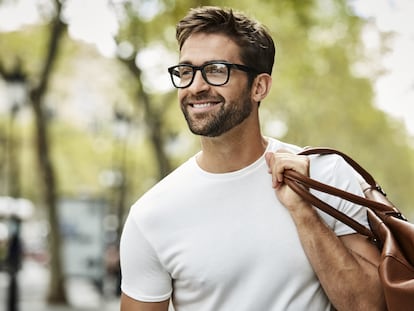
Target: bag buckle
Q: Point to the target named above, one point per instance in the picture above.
(378, 187)
(396, 214)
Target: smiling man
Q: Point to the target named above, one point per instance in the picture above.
(223, 231)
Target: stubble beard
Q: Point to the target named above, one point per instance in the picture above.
(230, 115)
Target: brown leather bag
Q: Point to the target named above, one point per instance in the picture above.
(389, 229)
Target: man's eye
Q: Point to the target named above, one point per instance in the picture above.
(185, 72)
(216, 69)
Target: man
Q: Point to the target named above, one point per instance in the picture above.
(220, 232)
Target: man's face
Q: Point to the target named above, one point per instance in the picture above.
(214, 110)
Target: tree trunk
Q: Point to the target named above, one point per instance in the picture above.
(57, 290)
(153, 120)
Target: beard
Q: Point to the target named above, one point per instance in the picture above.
(210, 124)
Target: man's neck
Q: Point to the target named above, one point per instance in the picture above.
(229, 152)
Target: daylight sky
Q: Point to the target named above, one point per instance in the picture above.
(94, 22)
(395, 90)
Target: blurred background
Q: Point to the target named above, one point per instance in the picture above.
(89, 121)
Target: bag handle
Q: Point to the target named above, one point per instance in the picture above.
(301, 185)
(358, 168)
(292, 180)
(367, 182)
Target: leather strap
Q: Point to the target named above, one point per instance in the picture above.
(312, 199)
(363, 172)
(301, 185)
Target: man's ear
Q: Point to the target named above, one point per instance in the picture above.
(261, 87)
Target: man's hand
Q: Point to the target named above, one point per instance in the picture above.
(280, 161)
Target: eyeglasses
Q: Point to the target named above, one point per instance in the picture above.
(214, 73)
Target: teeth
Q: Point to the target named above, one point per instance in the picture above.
(202, 105)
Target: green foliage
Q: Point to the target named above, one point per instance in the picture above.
(316, 93)
(26, 46)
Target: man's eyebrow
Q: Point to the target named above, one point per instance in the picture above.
(184, 62)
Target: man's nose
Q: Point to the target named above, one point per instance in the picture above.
(199, 84)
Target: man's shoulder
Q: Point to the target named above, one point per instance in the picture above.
(275, 145)
(168, 188)
(322, 166)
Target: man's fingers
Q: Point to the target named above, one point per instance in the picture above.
(282, 160)
(276, 166)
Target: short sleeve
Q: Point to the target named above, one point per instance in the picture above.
(143, 276)
(336, 172)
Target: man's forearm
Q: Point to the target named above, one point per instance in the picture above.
(350, 281)
(129, 304)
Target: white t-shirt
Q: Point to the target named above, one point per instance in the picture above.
(224, 241)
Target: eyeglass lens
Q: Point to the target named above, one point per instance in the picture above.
(215, 74)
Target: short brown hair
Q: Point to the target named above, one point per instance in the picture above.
(257, 49)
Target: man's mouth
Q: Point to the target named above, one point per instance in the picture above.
(203, 105)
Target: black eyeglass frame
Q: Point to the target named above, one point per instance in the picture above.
(173, 72)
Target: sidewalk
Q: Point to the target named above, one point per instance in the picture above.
(33, 282)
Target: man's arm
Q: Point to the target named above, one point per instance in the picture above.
(346, 266)
(129, 304)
